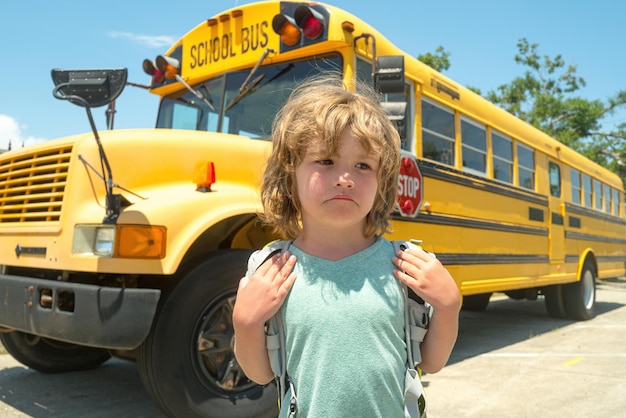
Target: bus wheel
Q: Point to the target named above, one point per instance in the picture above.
(51, 356)
(476, 303)
(580, 296)
(555, 303)
(187, 363)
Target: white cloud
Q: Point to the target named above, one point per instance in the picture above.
(11, 131)
(161, 41)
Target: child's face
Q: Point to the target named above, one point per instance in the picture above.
(337, 190)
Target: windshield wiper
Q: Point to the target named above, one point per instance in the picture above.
(196, 93)
(248, 85)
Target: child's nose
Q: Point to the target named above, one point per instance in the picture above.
(345, 180)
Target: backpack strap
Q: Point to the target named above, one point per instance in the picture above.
(416, 319)
(260, 256)
(416, 312)
(274, 330)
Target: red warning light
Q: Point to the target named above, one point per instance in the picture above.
(311, 22)
(150, 69)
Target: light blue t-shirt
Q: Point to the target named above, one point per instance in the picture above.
(344, 331)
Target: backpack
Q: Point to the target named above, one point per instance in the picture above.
(416, 317)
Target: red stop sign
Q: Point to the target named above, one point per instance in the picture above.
(410, 190)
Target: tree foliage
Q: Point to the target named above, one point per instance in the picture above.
(439, 60)
(546, 97)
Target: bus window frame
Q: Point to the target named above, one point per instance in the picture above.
(606, 193)
(556, 188)
(576, 188)
(522, 167)
(501, 159)
(438, 135)
(597, 194)
(472, 148)
(587, 191)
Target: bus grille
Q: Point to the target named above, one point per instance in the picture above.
(32, 186)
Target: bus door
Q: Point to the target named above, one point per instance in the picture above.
(557, 214)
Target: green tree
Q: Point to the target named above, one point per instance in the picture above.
(439, 60)
(544, 96)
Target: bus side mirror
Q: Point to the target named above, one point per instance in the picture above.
(389, 75)
(89, 88)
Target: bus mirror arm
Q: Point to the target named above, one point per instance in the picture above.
(94, 88)
(368, 37)
(387, 71)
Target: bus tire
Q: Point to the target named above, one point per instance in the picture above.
(555, 303)
(580, 296)
(187, 363)
(51, 356)
(476, 303)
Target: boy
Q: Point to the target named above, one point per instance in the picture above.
(329, 186)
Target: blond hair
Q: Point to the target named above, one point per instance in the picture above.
(320, 110)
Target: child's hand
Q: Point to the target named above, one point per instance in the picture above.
(428, 278)
(260, 296)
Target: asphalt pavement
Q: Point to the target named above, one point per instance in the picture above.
(511, 360)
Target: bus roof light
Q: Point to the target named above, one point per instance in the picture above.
(287, 29)
(150, 69)
(168, 65)
(311, 22)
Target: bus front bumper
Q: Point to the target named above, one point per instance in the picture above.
(95, 316)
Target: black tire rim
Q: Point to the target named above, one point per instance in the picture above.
(214, 354)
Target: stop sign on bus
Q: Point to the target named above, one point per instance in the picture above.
(410, 191)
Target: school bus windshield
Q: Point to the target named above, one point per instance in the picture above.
(235, 103)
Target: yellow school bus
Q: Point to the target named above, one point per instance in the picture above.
(131, 243)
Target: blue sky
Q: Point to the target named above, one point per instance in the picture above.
(481, 36)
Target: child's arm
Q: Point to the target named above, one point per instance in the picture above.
(259, 297)
(430, 280)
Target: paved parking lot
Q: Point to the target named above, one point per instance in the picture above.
(514, 361)
(510, 361)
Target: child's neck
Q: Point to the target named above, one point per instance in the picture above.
(330, 246)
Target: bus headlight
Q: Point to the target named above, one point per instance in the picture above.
(122, 241)
(104, 241)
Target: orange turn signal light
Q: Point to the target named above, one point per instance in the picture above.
(287, 29)
(141, 241)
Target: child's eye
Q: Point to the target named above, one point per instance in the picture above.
(362, 166)
(325, 162)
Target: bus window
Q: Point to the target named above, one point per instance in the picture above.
(587, 190)
(405, 127)
(597, 194)
(188, 112)
(364, 71)
(502, 157)
(186, 116)
(474, 147)
(607, 198)
(615, 202)
(250, 114)
(526, 167)
(576, 189)
(555, 180)
(437, 133)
